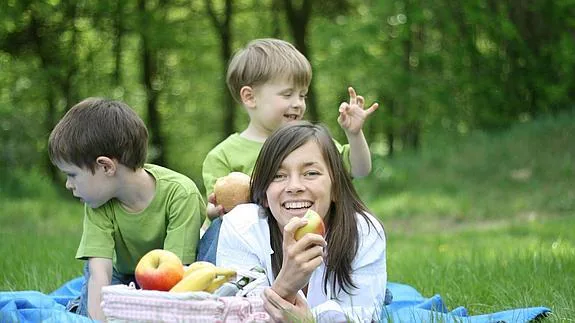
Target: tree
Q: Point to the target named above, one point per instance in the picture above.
(151, 75)
(223, 29)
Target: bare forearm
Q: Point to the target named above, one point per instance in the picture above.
(359, 155)
(100, 275)
(95, 285)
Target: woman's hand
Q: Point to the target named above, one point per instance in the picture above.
(300, 259)
(281, 310)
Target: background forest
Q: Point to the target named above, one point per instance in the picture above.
(447, 65)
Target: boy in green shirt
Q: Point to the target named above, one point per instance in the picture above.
(130, 207)
(270, 78)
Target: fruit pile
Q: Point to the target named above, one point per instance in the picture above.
(163, 270)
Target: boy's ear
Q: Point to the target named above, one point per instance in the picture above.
(247, 94)
(107, 164)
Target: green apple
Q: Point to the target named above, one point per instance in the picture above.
(159, 270)
(314, 225)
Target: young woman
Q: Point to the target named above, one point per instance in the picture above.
(299, 168)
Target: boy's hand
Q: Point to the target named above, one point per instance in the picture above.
(213, 210)
(352, 115)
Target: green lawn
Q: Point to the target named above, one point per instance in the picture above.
(39, 240)
(486, 221)
(490, 269)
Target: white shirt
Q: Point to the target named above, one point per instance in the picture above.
(244, 242)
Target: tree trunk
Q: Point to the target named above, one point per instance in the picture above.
(391, 129)
(46, 64)
(298, 19)
(119, 32)
(223, 28)
(410, 127)
(149, 57)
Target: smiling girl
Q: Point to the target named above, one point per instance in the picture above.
(299, 168)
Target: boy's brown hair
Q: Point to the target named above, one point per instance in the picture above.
(266, 59)
(99, 127)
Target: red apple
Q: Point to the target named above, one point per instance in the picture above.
(232, 189)
(314, 225)
(159, 270)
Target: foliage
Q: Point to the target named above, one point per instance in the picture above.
(524, 172)
(449, 65)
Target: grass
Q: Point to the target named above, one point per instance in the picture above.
(39, 240)
(510, 266)
(484, 220)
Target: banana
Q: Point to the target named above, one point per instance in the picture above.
(222, 275)
(216, 283)
(197, 280)
(220, 271)
(203, 276)
(197, 265)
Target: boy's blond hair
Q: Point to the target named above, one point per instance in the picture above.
(266, 59)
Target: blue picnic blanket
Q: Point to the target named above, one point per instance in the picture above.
(408, 306)
(34, 306)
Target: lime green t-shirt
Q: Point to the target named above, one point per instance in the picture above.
(172, 222)
(238, 154)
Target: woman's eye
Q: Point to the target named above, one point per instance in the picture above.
(278, 177)
(312, 173)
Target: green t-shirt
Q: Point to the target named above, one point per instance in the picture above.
(238, 154)
(172, 222)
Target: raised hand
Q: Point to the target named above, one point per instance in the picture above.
(352, 114)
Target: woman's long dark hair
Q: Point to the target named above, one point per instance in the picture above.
(341, 224)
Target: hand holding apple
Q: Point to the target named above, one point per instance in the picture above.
(300, 256)
(314, 225)
(159, 270)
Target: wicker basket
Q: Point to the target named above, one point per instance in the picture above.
(122, 303)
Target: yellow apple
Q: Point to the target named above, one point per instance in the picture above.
(159, 270)
(232, 189)
(314, 225)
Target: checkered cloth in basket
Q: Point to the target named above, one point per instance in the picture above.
(122, 303)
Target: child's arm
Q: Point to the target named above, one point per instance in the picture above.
(100, 276)
(351, 119)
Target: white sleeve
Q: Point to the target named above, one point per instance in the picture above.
(240, 242)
